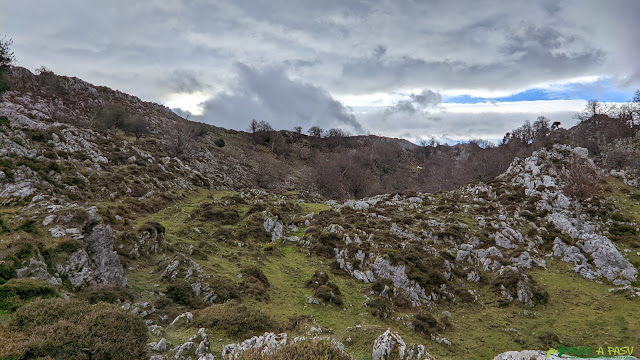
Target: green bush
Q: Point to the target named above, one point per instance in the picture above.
(28, 227)
(39, 135)
(325, 243)
(108, 294)
(255, 283)
(4, 121)
(181, 293)
(235, 320)
(255, 272)
(425, 324)
(210, 212)
(378, 285)
(323, 289)
(73, 329)
(219, 142)
(15, 292)
(380, 308)
(224, 289)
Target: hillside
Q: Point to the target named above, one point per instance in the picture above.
(337, 247)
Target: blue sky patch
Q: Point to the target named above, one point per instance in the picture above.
(602, 90)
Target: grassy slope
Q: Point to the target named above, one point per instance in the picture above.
(580, 312)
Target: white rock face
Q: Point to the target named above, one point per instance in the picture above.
(97, 263)
(609, 262)
(273, 226)
(397, 274)
(387, 344)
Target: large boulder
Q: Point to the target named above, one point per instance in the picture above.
(96, 263)
(387, 345)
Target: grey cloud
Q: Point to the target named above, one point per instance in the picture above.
(269, 94)
(425, 102)
(427, 98)
(451, 126)
(329, 47)
(184, 81)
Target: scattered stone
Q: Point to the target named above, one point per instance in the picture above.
(187, 317)
(160, 346)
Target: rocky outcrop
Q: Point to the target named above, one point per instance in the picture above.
(389, 345)
(273, 226)
(397, 274)
(149, 239)
(188, 269)
(185, 318)
(36, 268)
(96, 263)
(607, 260)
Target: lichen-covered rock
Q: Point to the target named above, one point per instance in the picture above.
(187, 317)
(387, 345)
(609, 262)
(264, 344)
(397, 274)
(96, 263)
(160, 346)
(36, 268)
(273, 226)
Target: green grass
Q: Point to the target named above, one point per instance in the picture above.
(580, 312)
(625, 199)
(308, 208)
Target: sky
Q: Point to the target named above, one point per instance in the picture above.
(453, 70)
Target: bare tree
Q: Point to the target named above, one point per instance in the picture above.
(297, 129)
(315, 131)
(337, 132)
(253, 126)
(582, 181)
(181, 143)
(264, 126)
(595, 107)
(7, 57)
(626, 114)
(524, 134)
(541, 127)
(138, 126)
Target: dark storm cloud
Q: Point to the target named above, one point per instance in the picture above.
(270, 94)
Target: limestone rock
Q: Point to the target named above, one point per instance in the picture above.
(160, 346)
(37, 269)
(264, 343)
(387, 344)
(187, 317)
(97, 263)
(397, 274)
